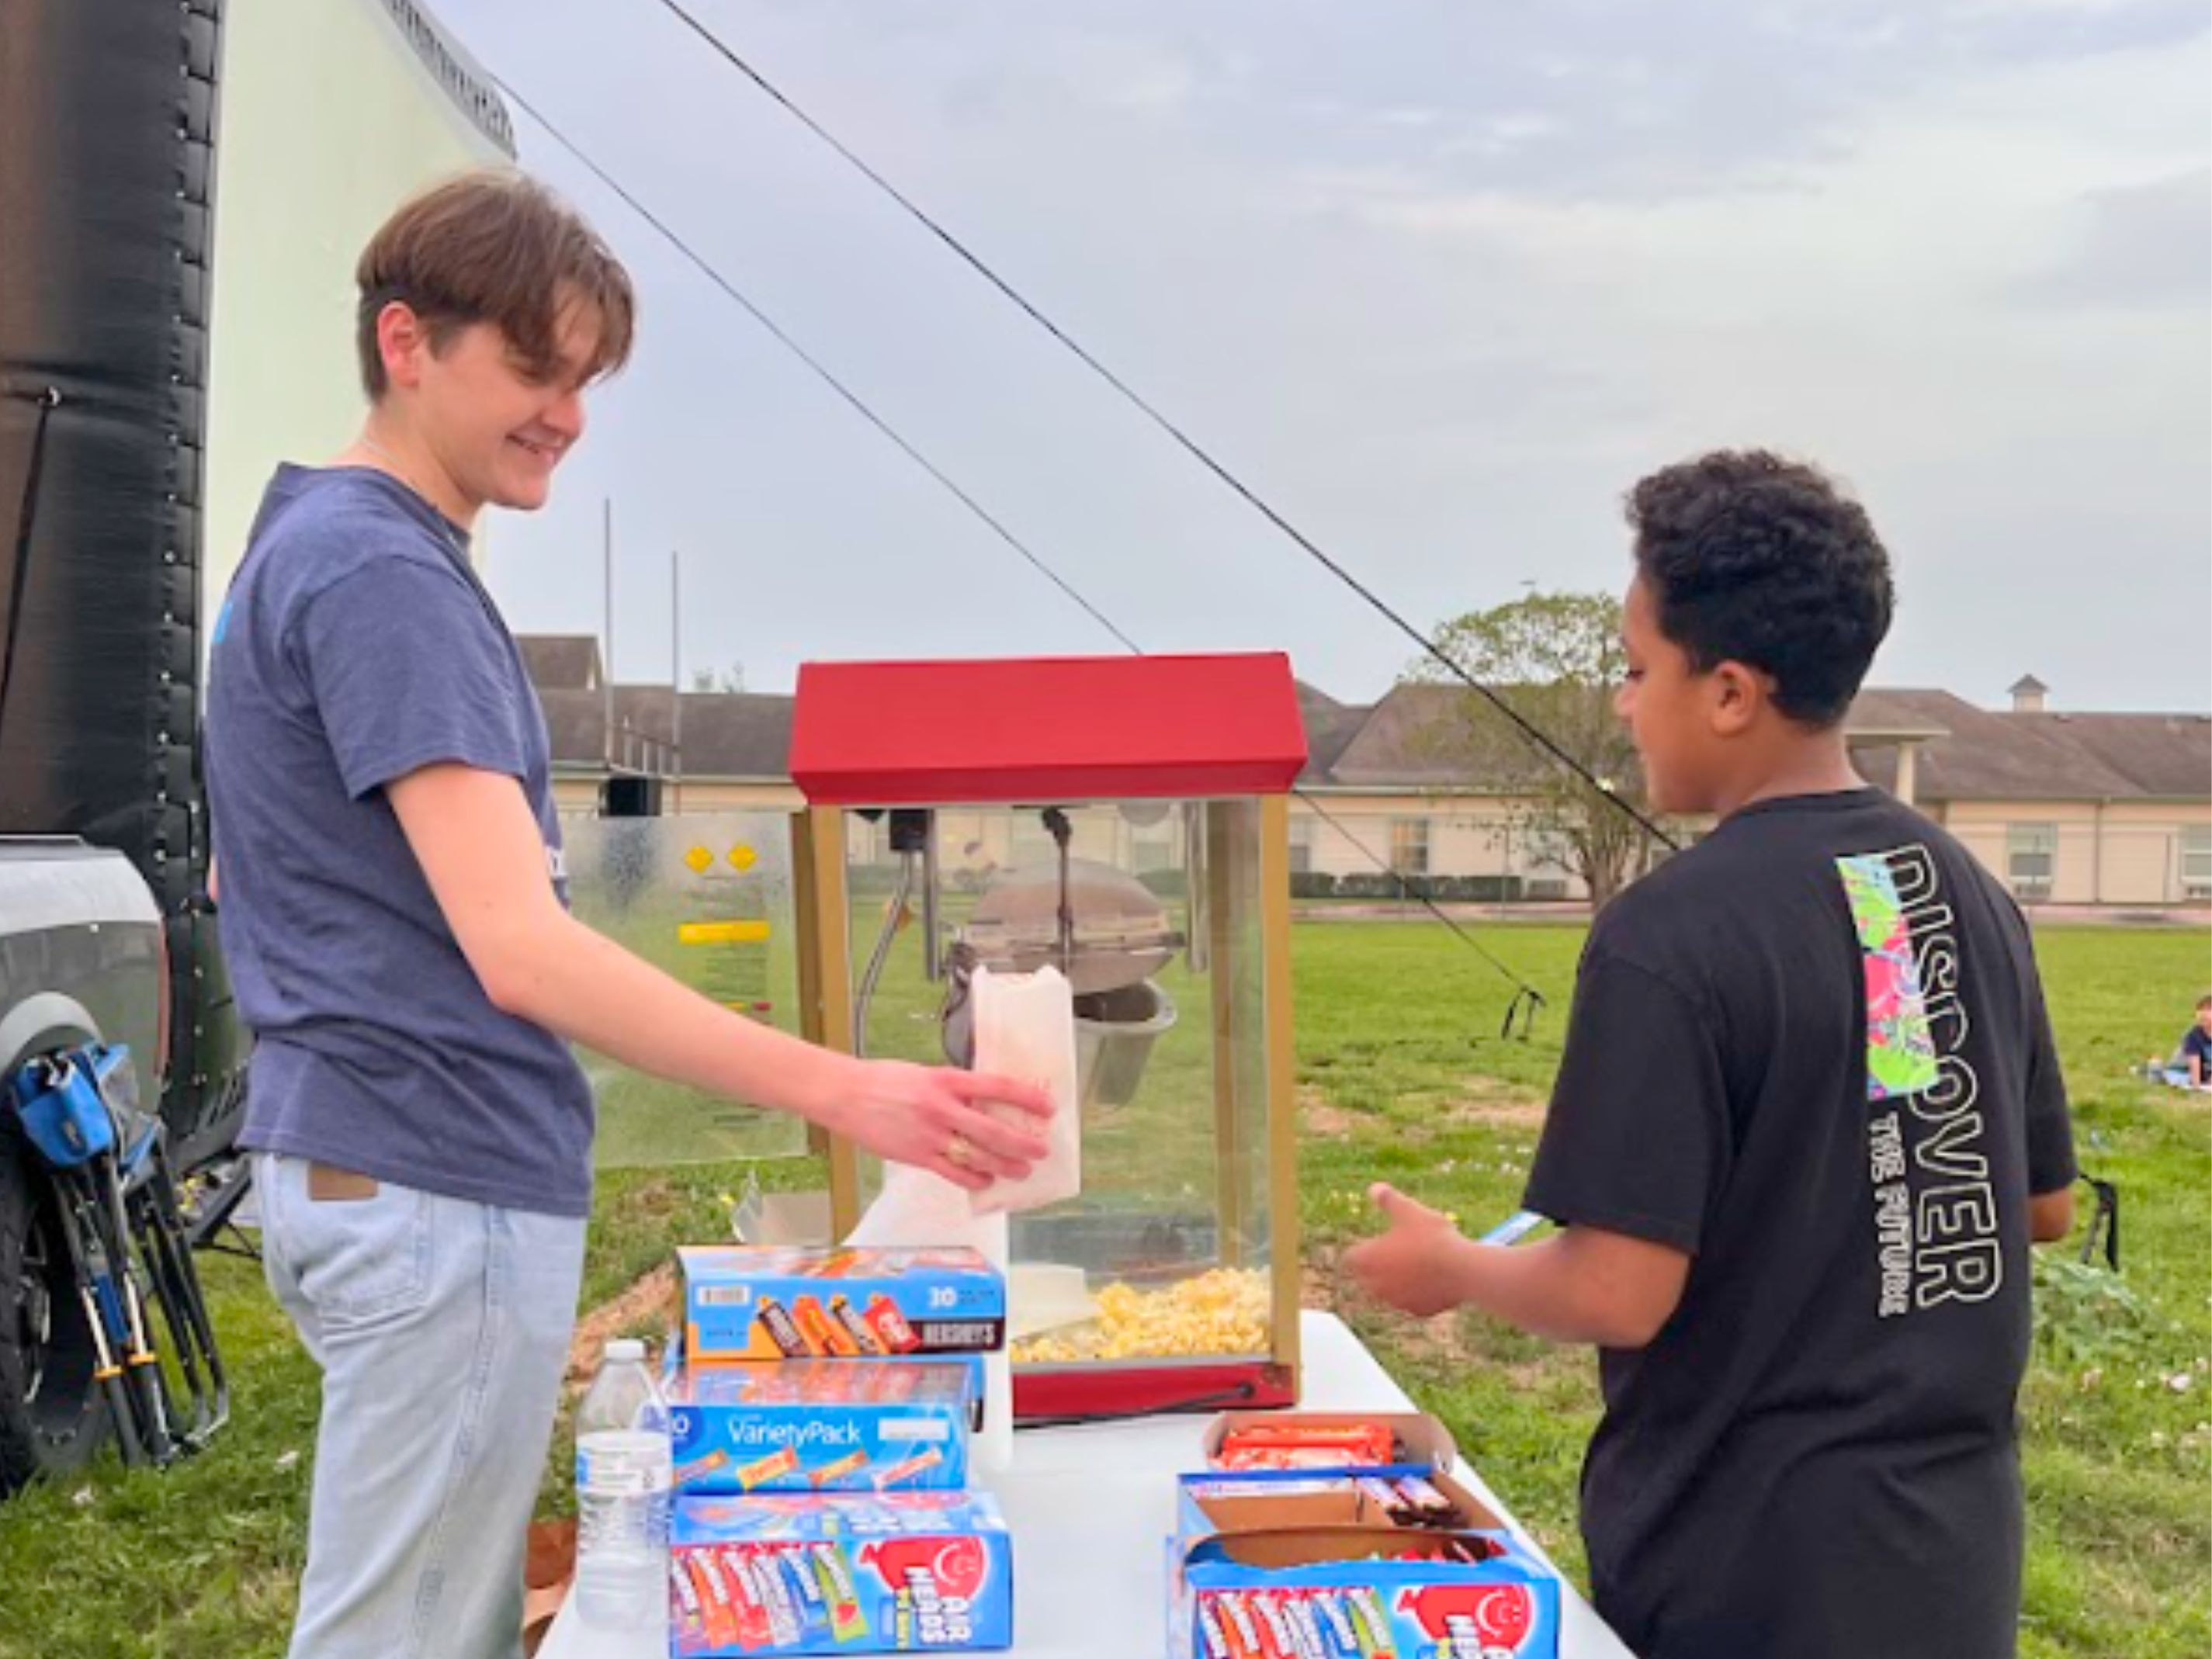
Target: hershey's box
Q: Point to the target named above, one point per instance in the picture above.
(750, 1303)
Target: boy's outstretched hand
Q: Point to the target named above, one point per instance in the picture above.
(1410, 1265)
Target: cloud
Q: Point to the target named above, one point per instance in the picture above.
(1438, 278)
(1593, 100)
(2148, 244)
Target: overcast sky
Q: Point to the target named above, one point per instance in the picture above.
(1438, 278)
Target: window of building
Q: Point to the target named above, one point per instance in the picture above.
(2196, 860)
(1302, 844)
(2030, 859)
(1409, 847)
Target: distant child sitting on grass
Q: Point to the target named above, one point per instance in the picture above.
(2192, 1066)
(1807, 1121)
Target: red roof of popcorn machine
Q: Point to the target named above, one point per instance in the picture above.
(1036, 731)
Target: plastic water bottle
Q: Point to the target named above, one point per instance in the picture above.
(624, 1473)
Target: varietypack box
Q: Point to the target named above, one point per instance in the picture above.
(1292, 1565)
(912, 1572)
(823, 1426)
(749, 1303)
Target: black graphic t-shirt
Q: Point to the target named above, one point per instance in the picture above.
(1812, 1051)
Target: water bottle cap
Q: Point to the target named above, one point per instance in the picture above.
(625, 1349)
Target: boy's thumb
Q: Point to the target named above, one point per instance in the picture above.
(1394, 1204)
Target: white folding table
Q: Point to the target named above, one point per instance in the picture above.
(1091, 1509)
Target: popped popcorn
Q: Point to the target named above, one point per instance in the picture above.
(1223, 1311)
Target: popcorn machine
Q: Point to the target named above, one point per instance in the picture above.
(1126, 821)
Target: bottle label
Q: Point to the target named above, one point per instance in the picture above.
(619, 1472)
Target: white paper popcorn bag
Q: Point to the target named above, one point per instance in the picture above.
(1025, 1029)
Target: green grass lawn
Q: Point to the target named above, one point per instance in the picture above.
(1403, 1074)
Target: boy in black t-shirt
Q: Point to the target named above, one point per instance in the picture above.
(1808, 1122)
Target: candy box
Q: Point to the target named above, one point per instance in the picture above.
(749, 1303)
(1404, 1497)
(823, 1425)
(1318, 1594)
(912, 1572)
(1399, 1563)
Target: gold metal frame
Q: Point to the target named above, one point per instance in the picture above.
(825, 980)
(1282, 1073)
(826, 991)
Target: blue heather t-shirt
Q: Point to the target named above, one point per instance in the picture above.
(356, 646)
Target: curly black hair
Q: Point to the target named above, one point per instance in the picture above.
(1755, 559)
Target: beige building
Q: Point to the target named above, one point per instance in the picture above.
(2066, 808)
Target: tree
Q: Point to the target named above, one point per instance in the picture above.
(732, 678)
(1556, 659)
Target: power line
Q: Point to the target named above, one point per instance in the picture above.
(851, 399)
(1526, 994)
(1190, 446)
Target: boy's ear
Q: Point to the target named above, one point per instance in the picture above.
(1739, 695)
(403, 339)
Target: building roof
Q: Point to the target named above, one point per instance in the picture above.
(1329, 726)
(724, 735)
(1897, 712)
(1414, 736)
(1405, 741)
(561, 662)
(1986, 755)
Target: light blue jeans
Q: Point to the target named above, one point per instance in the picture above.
(443, 1330)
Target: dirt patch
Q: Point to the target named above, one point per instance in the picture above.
(1496, 1105)
(1319, 1117)
(651, 1200)
(1435, 1339)
(653, 1297)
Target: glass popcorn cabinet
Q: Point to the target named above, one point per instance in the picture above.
(1126, 821)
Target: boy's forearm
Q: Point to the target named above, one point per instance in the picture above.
(2049, 1215)
(1548, 1289)
(586, 988)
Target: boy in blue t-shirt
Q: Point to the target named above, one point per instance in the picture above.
(394, 914)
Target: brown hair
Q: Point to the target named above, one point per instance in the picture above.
(493, 246)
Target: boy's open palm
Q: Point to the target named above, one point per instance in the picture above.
(1407, 1267)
